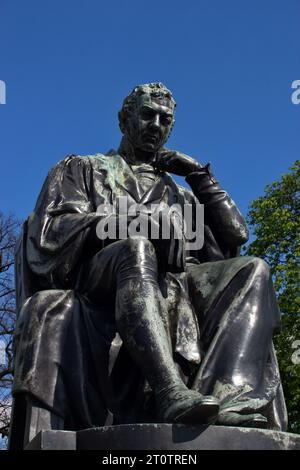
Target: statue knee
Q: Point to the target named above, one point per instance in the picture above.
(138, 258)
(139, 245)
(260, 266)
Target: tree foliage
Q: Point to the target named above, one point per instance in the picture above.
(8, 233)
(275, 222)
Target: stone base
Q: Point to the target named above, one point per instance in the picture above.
(165, 437)
(53, 440)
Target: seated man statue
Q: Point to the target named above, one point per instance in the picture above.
(140, 328)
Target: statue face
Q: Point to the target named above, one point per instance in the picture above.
(149, 125)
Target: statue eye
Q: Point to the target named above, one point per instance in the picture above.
(147, 114)
(166, 120)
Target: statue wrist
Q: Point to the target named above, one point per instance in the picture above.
(201, 178)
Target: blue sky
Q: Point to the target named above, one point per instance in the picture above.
(68, 64)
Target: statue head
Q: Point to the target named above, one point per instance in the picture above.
(147, 116)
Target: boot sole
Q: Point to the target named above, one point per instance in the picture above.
(201, 413)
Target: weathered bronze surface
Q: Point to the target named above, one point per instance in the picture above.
(140, 330)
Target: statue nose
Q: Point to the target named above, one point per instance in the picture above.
(155, 124)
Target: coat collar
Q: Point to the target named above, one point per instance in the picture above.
(122, 179)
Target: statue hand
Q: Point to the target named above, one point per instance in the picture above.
(176, 162)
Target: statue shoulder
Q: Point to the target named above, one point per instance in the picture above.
(83, 160)
(76, 162)
(79, 169)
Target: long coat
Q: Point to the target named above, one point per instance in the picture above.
(68, 353)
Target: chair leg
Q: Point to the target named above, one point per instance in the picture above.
(38, 418)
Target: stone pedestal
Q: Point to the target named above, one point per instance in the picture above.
(165, 437)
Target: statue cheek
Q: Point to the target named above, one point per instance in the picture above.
(165, 135)
(134, 129)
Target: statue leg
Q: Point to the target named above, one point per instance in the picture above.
(126, 271)
(238, 313)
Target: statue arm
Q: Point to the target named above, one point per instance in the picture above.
(221, 213)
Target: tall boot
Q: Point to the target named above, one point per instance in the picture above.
(142, 324)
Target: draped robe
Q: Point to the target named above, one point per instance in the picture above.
(222, 307)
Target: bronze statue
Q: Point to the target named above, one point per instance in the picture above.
(139, 329)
